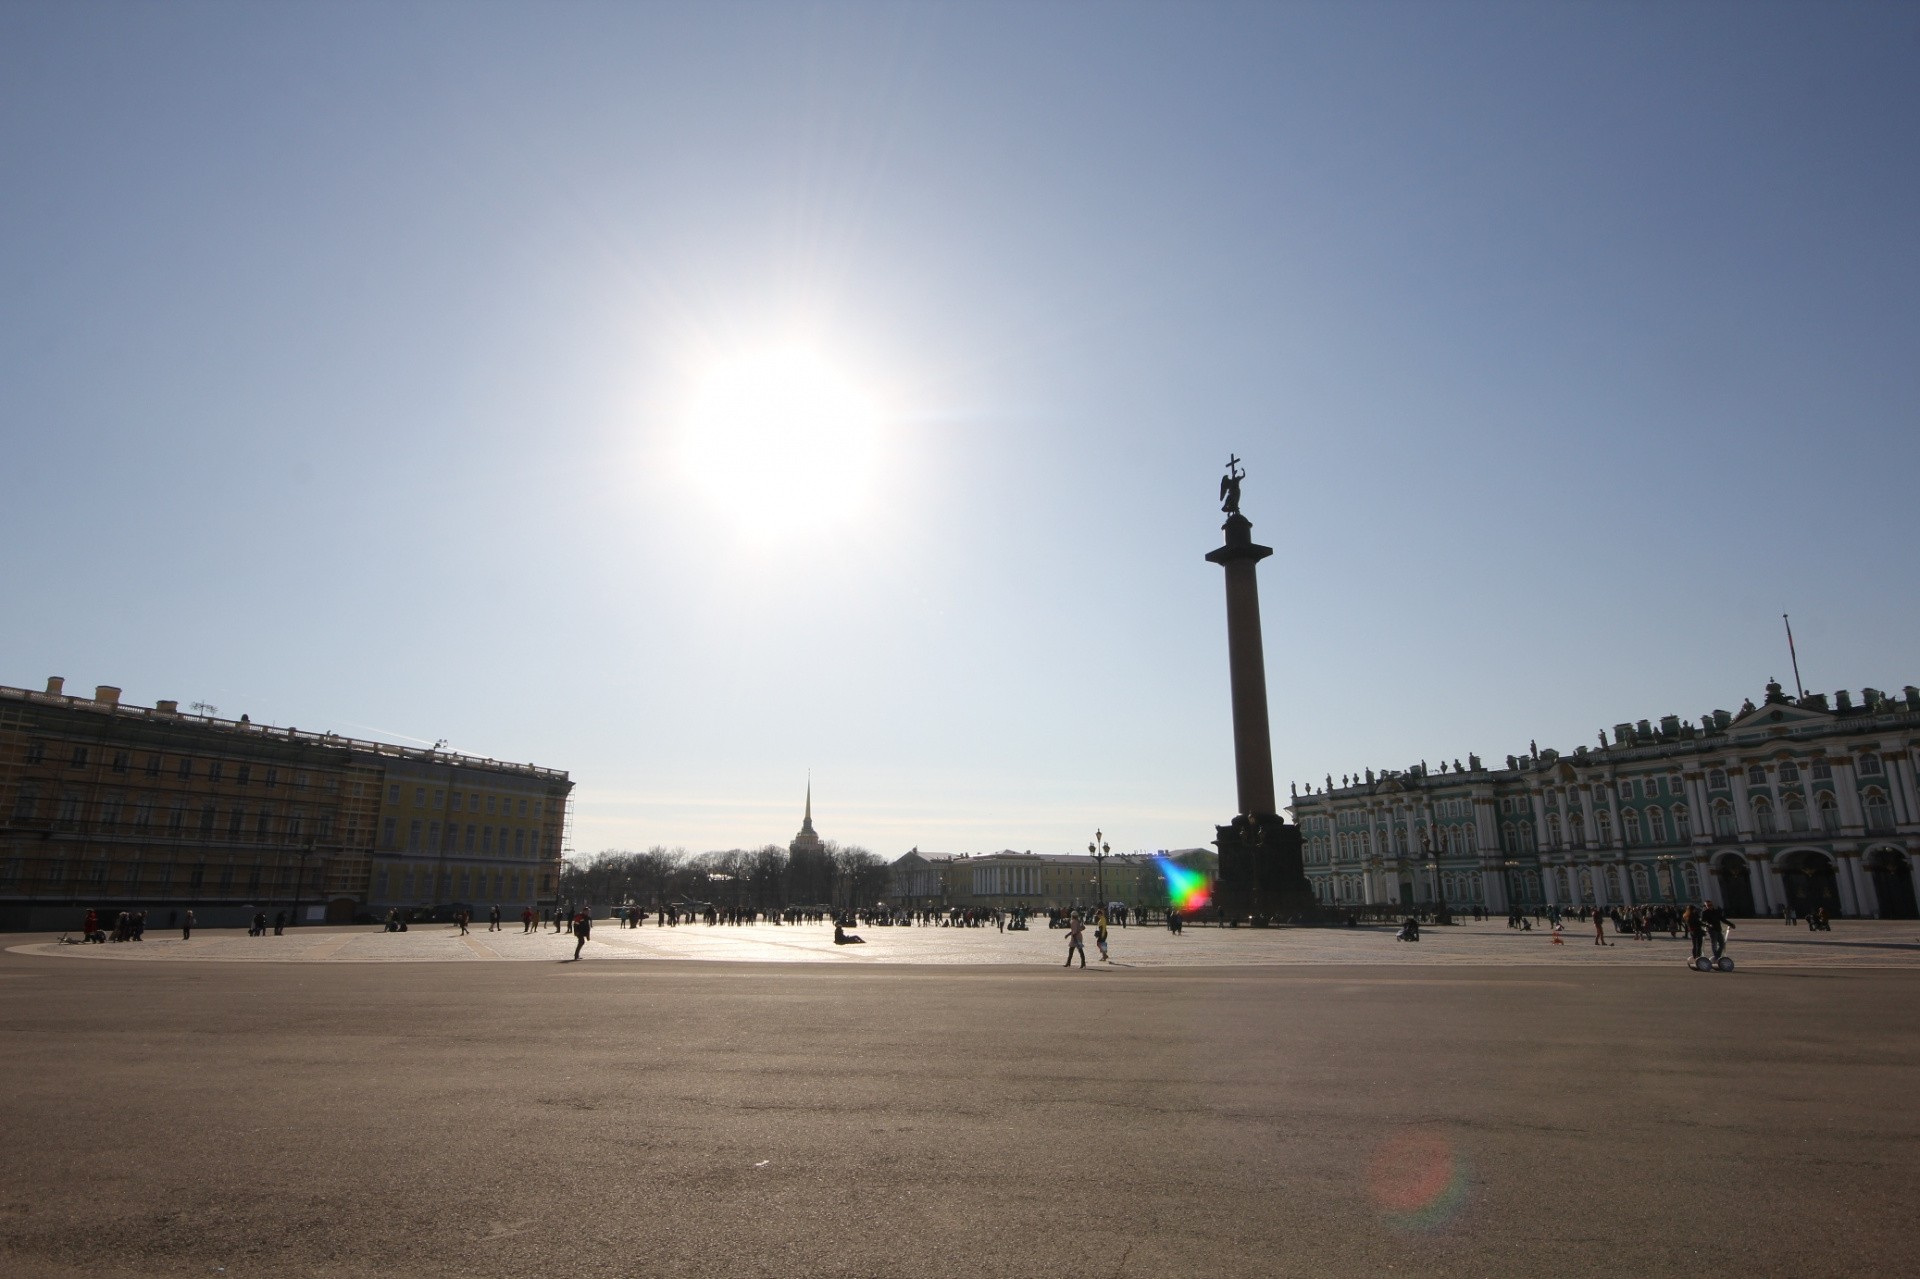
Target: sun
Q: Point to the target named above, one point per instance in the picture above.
(784, 438)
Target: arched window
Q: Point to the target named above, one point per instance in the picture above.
(1656, 826)
(1471, 841)
(1553, 829)
(1642, 891)
(1870, 765)
(1796, 813)
(1829, 813)
(1605, 820)
(1756, 776)
(1586, 887)
(1722, 819)
(1716, 780)
(1691, 880)
(1682, 823)
(1879, 811)
(1576, 829)
(1789, 771)
(1763, 816)
(1636, 833)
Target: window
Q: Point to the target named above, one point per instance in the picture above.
(243, 774)
(121, 759)
(294, 825)
(24, 803)
(1796, 813)
(213, 770)
(419, 797)
(433, 834)
(523, 808)
(1829, 814)
(1682, 824)
(1879, 811)
(273, 778)
(207, 819)
(78, 759)
(1675, 786)
(1870, 765)
(1822, 770)
(226, 878)
(262, 824)
(299, 781)
(413, 833)
(453, 802)
(1756, 776)
(439, 798)
(185, 770)
(1722, 819)
(197, 876)
(1789, 771)
(393, 793)
(389, 832)
(36, 752)
(324, 827)
(1626, 790)
(536, 808)
(1716, 780)
(143, 813)
(236, 821)
(519, 842)
(472, 834)
(491, 800)
(486, 839)
(110, 811)
(1763, 817)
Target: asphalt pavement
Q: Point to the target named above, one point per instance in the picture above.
(678, 1117)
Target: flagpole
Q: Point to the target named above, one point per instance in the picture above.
(1795, 657)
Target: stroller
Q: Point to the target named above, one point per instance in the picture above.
(1409, 930)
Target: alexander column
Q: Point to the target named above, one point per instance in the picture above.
(1262, 876)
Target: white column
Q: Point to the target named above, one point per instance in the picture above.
(1849, 903)
(1626, 884)
(1900, 772)
(1742, 806)
(1550, 874)
(1590, 820)
(1487, 823)
(1703, 876)
(1863, 894)
(1847, 791)
(1776, 887)
(1539, 820)
(1613, 813)
(1492, 892)
(1757, 879)
(1699, 808)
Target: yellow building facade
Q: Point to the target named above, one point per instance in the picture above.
(115, 807)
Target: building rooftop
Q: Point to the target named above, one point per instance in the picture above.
(106, 701)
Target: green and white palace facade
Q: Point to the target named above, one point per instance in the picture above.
(1794, 803)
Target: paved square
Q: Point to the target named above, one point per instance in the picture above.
(1467, 1110)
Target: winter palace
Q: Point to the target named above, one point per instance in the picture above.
(1794, 803)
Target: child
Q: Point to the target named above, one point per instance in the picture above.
(1557, 940)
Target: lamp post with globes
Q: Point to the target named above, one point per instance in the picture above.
(1100, 850)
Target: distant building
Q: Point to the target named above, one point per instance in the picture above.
(1038, 881)
(121, 807)
(1792, 802)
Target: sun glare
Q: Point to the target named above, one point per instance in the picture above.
(783, 439)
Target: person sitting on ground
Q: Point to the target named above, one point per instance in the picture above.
(841, 937)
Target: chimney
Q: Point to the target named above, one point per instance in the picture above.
(55, 685)
(166, 708)
(106, 695)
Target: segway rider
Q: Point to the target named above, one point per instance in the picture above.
(1718, 926)
(1696, 931)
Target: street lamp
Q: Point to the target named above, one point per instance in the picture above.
(300, 879)
(1100, 851)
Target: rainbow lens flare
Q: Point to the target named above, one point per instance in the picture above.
(1187, 890)
(1418, 1182)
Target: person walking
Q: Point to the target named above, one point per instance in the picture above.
(1100, 937)
(186, 927)
(1075, 942)
(1600, 929)
(493, 919)
(1696, 931)
(582, 929)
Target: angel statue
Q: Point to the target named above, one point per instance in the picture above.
(1230, 486)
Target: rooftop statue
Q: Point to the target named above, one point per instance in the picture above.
(1230, 486)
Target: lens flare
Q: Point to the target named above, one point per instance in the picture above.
(1417, 1181)
(1187, 890)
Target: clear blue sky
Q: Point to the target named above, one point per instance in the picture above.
(353, 360)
